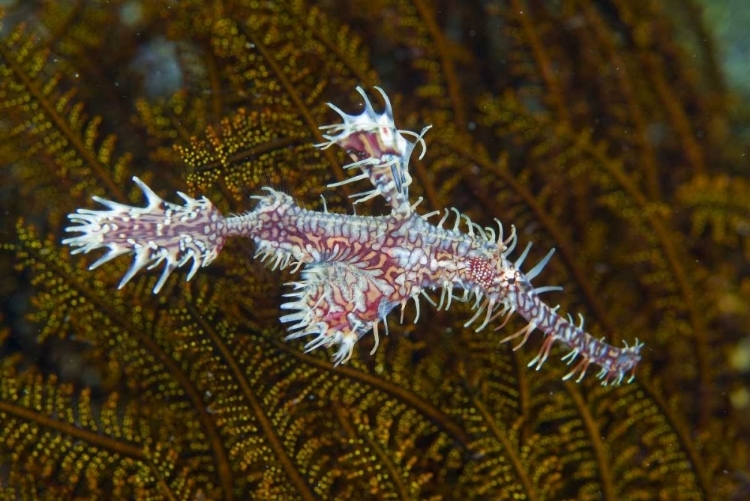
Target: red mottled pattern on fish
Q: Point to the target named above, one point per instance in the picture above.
(356, 269)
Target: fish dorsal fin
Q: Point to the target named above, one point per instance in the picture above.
(378, 149)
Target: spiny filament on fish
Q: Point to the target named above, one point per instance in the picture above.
(355, 269)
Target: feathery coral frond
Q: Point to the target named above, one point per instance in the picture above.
(585, 124)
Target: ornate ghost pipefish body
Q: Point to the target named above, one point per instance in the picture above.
(355, 269)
